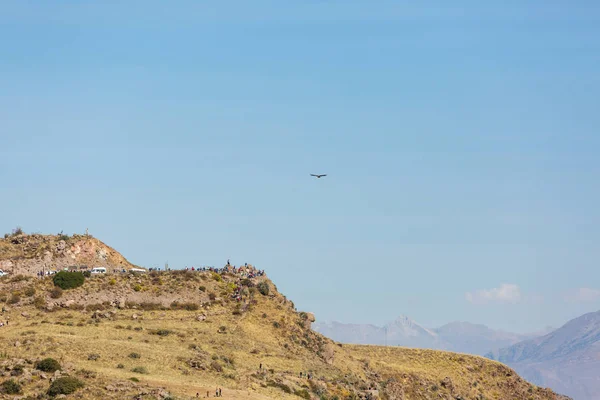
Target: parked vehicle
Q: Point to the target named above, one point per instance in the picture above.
(98, 270)
(2, 273)
(138, 270)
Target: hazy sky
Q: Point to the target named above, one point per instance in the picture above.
(461, 140)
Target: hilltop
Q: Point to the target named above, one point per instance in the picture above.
(173, 334)
(28, 254)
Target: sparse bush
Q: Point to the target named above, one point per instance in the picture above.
(276, 324)
(66, 385)
(263, 288)
(212, 296)
(93, 357)
(264, 315)
(247, 282)
(68, 280)
(202, 288)
(87, 274)
(56, 292)
(216, 366)
(30, 291)
(134, 355)
(14, 299)
(161, 332)
(17, 231)
(302, 393)
(64, 237)
(48, 365)
(39, 302)
(217, 277)
(137, 287)
(222, 329)
(134, 379)
(184, 306)
(11, 387)
(281, 386)
(112, 282)
(140, 370)
(17, 371)
(86, 373)
(120, 366)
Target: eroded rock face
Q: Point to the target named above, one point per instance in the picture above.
(31, 254)
(329, 353)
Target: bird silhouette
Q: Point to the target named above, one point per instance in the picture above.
(318, 176)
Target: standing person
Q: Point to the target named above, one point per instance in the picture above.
(220, 393)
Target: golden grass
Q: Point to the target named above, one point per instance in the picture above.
(250, 339)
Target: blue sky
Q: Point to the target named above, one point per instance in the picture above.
(461, 143)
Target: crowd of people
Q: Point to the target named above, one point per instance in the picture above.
(244, 271)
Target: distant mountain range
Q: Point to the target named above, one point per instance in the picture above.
(566, 360)
(462, 337)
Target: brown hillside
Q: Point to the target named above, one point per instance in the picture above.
(103, 330)
(29, 254)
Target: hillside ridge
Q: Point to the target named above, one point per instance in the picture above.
(182, 334)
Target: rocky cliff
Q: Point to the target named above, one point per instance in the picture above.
(28, 254)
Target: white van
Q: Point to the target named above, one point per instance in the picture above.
(138, 270)
(98, 270)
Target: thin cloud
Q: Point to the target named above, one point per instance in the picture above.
(507, 293)
(583, 295)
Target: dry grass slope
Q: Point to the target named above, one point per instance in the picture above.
(180, 333)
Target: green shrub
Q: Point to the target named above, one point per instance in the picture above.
(14, 299)
(93, 357)
(66, 385)
(217, 277)
(87, 274)
(137, 287)
(48, 365)
(68, 280)
(30, 291)
(202, 288)
(120, 366)
(140, 370)
(212, 296)
(11, 387)
(134, 379)
(281, 386)
(134, 355)
(263, 288)
(302, 393)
